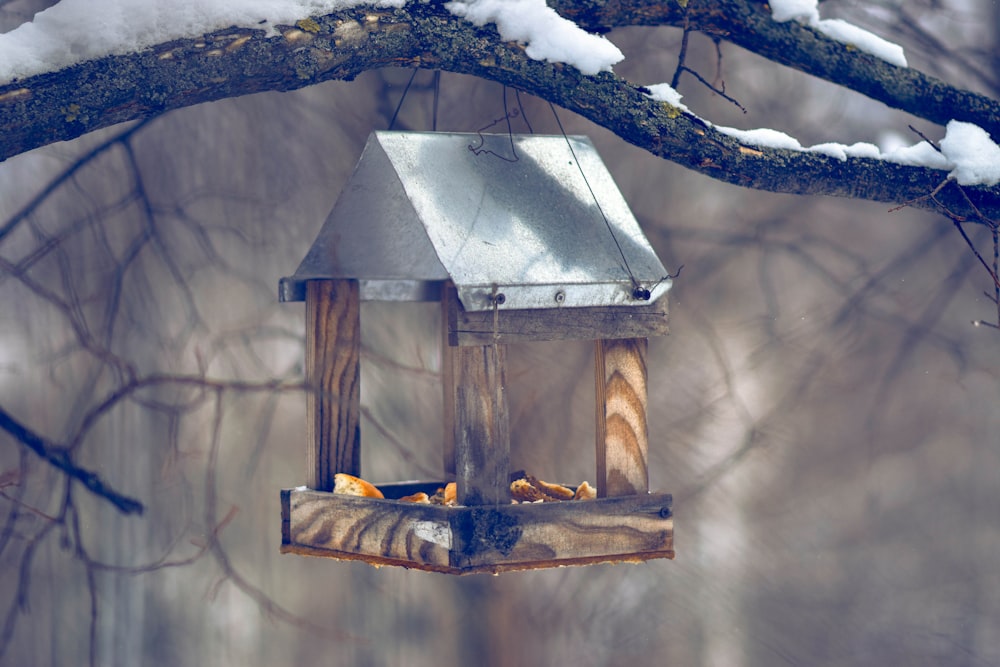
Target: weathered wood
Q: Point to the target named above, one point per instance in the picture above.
(476, 328)
(333, 347)
(622, 434)
(462, 540)
(409, 532)
(547, 533)
(448, 295)
(482, 425)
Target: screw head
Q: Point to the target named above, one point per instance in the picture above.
(560, 296)
(641, 294)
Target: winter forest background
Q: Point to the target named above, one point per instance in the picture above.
(824, 412)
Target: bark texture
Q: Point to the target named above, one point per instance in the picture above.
(65, 104)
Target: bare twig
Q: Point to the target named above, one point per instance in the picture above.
(229, 572)
(720, 91)
(682, 67)
(681, 59)
(925, 138)
(60, 458)
(975, 251)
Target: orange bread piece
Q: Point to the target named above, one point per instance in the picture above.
(349, 485)
(585, 492)
(522, 491)
(557, 491)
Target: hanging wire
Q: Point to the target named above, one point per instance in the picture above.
(524, 116)
(639, 292)
(399, 106)
(437, 94)
(507, 115)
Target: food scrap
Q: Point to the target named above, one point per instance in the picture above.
(524, 488)
(529, 489)
(349, 485)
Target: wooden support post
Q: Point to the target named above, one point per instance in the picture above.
(622, 435)
(333, 346)
(448, 296)
(481, 425)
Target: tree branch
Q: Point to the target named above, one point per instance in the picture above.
(59, 457)
(748, 24)
(341, 45)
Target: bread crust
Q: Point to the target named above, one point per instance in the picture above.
(349, 485)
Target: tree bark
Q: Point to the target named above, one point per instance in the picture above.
(238, 61)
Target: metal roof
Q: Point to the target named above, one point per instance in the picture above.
(492, 213)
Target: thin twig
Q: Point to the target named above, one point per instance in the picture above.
(60, 458)
(720, 91)
(681, 58)
(957, 220)
(924, 137)
(972, 247)
(66, 175)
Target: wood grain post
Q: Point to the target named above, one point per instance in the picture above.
(448, 296)
(333, 346)
(482, 426)
(622, 434)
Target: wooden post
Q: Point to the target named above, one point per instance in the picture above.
(481, 427)
(333, 346)
(448, 296)
(622, 435)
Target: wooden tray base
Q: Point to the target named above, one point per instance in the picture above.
(478, 539)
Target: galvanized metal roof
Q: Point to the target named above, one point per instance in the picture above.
(495, 214)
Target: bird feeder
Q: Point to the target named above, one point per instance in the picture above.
(520, 239)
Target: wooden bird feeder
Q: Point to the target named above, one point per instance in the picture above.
(522, 238)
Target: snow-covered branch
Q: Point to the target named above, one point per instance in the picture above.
(80, 98)
(750, 25)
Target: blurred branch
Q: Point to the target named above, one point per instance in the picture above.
(66, 176)
(59, 457)
(66, 104)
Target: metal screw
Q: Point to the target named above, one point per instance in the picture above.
(640, 294)
(560, 296)
(500, 299)
(665, 513)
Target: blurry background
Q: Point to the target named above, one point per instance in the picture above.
(823, 412)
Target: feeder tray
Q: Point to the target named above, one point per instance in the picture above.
(519, 238)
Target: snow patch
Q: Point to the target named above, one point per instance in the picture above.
(862, 149)
(918, 155)
(804, 11)
(975, 156)
(807, 13)
(662, 92)
(545, 34)
(762, 138)
(967, 151)
(74, 31)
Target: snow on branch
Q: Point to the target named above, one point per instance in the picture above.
(75, 31)
(807, 13)
(340, 44)
(966, 151)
